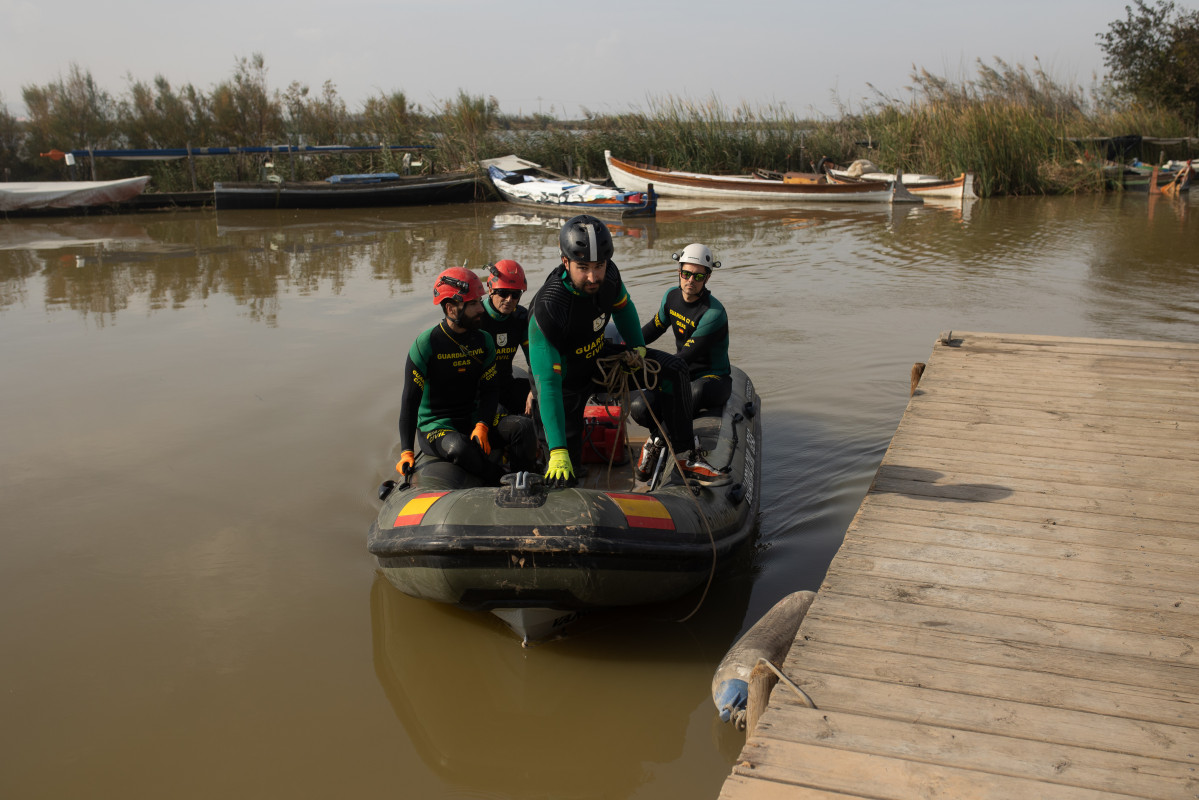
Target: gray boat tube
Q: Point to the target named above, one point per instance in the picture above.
(768, 639)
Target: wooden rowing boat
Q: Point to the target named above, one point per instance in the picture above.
(385, 189)
(676, 183)
(959, 188)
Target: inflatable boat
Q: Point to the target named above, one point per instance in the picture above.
(537, 557)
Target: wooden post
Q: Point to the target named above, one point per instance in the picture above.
(917, 372)
(761, 681)
(191, 165)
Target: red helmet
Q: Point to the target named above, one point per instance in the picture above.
(506, 274)
(457, 283)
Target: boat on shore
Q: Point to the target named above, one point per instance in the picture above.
(920, 185)
(349, 191)
(537, 558)
(67, 196)
(546, 190)
(809, 189)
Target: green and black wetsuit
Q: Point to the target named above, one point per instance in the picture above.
(510, 332)
(449, 386)
(566, 336)
(701, 336)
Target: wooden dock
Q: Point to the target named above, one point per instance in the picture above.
(1014, 612)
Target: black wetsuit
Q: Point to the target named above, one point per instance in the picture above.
(566, 335)
(701, 334)
(511, 333)
(449, 386)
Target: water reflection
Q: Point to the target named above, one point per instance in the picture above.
(492, 718)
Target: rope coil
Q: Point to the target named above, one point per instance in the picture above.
(616, 372)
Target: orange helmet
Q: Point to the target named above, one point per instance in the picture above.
(506, 274)
(457, 283)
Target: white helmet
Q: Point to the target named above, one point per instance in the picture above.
(698, 254)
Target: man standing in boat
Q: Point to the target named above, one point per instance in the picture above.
(450, 395)
(508, 323)
(566, 337)
(701, 336)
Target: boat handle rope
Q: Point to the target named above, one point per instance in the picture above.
(616, 371)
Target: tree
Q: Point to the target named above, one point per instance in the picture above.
(244, 110)
(1153, 56)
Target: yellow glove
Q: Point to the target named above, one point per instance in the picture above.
(479, 436)
(634, 359)
(406, 463)
(560, 471)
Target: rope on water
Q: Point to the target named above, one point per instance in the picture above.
(616, 371)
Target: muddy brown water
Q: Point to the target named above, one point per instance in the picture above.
(197, 409)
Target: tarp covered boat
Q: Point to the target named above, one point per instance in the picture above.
(48, 195)
(581, 196)
(537, 557)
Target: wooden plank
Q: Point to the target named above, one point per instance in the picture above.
(1115, 573)
(1054, 402)
(972, 712)
(994, 494)
(893, 644)
(995, 438)
(1041, 483)
(1161, 429)
(1059, 765)
(1168, 621)
(965, 530)
(1002, 627)
(1065, 342)
(867, 775)
(1147, 600)
(1073, 518)
(738, 787)
(1069, 692)
(947, 455)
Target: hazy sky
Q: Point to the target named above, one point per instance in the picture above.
(605, 56)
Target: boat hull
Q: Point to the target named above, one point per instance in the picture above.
(423, 190)
(50, 196)
(575, 549)
(611, 209)
(674, 183)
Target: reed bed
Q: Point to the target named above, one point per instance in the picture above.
(1007, 124)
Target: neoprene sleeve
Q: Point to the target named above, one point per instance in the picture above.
(549, 385)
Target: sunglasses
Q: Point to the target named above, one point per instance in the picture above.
(698, 277)
(506, 294)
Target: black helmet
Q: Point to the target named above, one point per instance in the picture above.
(585, 238)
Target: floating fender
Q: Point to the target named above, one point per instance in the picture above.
(769, 638)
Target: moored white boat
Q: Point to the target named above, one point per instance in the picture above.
(50, 195)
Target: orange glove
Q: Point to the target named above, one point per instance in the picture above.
(479, 435)
(406, 463)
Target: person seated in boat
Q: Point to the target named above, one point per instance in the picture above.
(701, 335)
(566, 340)
(450, 398)
(700, 325)
(508, 323)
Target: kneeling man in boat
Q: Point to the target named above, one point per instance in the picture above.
(701, 336)
(450, 395)
(508, 323)
(566, 339)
